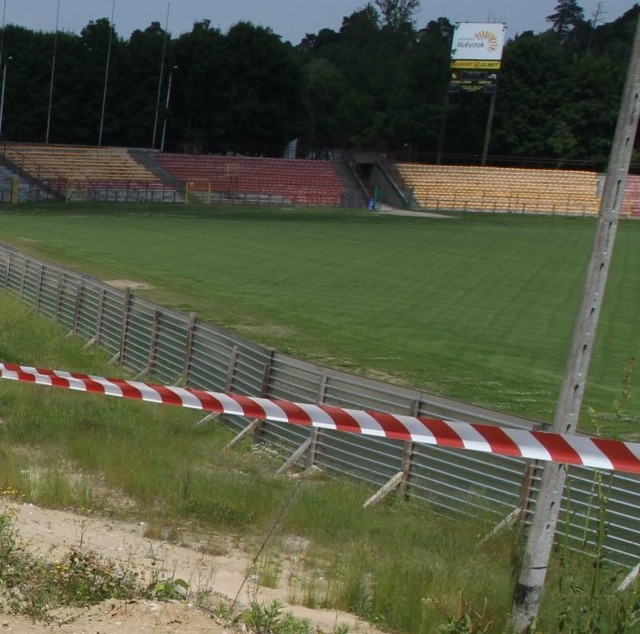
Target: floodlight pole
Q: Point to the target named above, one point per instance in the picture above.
(166, 109)
(4, 83)
(162, 58)
(106, 74)
(4, 12)
(53, 71)
(528, 592)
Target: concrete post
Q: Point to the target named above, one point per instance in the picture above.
(535, 562)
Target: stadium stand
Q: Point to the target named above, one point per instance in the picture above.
(631, 201)
(501, 189)
(255, 179)
(77, 170)
(54, 172)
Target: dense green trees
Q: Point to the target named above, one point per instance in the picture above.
(378, 82)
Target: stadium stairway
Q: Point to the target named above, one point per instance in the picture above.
(355, 192)
(31, 189)
(147, 158)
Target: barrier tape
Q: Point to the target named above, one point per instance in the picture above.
(599, 453)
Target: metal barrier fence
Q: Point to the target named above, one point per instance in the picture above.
(171, 347)
(74, 190)
(69, 190)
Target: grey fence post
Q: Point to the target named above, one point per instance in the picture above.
(77, 309)
(61, 281)
(407, 456)
(312, 452)
(95, 340)
(519, 513)
(36, 301)
(310, 445)
(231, 368)
(531, 471)
(188, 348)
(153, 345)
(23, 278)
(258, 431)
(315, 432)
(7, 270)
(126, 309)
(400, 480)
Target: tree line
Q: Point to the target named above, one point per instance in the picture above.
(378, 82)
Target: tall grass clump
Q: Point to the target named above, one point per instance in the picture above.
(63, 448)
(590, 596)
(394, 564)
(584, 591)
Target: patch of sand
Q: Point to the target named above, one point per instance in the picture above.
(128, 284)
(50, 533)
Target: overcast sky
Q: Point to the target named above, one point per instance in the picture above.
(291, 19)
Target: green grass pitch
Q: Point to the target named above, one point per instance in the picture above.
(477, 307)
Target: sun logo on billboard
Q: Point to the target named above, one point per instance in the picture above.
(490, 38)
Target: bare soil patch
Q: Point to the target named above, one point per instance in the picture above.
(50, 533)
(133, 285)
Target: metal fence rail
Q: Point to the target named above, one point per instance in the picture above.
(174, 347)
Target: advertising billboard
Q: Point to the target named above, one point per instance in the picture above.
(476, 53)
(479, 42)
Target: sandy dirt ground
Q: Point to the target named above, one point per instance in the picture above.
(51, 533)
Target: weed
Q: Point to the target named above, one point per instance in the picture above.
(590, 602)
(465, 619)
(223, 612)
(270, 618)
(168, 589)
(263, 618)
(85, 578)
(33, 586)
(267, 570)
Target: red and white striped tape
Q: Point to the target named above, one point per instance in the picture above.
(598, 453)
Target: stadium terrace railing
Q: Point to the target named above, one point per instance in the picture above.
(75, 190)
(169, 346)
(206, 192)
(68, 190)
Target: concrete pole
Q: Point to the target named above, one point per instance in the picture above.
(487, 134)
(528, 592)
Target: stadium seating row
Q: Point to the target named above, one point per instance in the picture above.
(80, 166)
(631, 201)
(295, 180)
(502, 189)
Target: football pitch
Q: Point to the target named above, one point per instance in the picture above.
(476, 307)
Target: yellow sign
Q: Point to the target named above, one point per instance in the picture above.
(478, 64)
